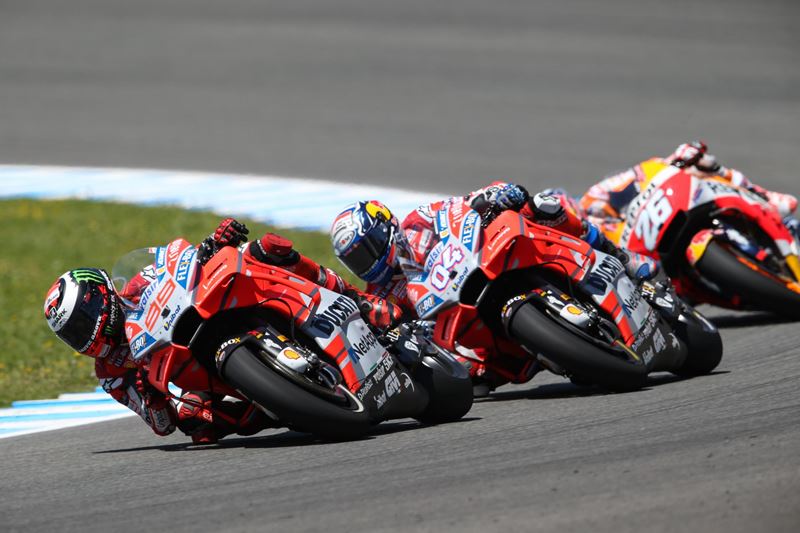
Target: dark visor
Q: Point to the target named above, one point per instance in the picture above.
(365, 254)
(78, 330)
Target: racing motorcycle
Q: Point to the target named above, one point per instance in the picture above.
(719, 243)
(312, 364)
(518, 297)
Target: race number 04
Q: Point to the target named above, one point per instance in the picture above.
(440, 273)
(653, 216)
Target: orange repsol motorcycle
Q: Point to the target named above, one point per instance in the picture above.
(314, 364)
(720, 244)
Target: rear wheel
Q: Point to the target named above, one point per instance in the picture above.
(449, 389)
(298, 408)
(585, 362)
(703, 342)
(756, 288)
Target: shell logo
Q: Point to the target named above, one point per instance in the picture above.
(571, 309)
(290, 354)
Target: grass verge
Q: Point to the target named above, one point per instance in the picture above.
(43, 239)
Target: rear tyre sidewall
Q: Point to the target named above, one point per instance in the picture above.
(704, 346)
(755, 289)
(294, 406)
(449, 389)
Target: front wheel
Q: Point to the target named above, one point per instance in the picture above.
(292, 405)
(583, 361)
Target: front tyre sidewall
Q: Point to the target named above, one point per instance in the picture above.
(587, 362)
(294, 406)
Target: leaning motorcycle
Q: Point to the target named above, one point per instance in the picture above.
(720, 244)
(542, 298)
(313, 364)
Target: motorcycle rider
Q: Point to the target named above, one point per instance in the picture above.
(85, 311)
(368, 239)
(608, 199)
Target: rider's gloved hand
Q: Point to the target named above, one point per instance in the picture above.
(230, 232)
(688, 154)
(511, 197)
(378, 312)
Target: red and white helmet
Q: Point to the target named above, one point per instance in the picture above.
(84, 311)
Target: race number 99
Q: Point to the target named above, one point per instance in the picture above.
(652, 218)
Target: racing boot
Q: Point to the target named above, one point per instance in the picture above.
(637, 266)
(196, 419)
(793, 225)
(207, 419)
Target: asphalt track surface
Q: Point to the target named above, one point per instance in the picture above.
(435, 96)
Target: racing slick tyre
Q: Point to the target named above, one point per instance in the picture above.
(449, 388)
(587, 362)
(297, 408)
(703, 342)
(754, 288)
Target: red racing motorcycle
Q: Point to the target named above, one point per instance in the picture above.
(519, 297)
(313, 365)
(720, 244)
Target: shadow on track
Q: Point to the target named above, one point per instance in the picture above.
(741, 320)
(557, 391)
(285, 439)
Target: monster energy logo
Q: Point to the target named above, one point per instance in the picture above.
(85, 274)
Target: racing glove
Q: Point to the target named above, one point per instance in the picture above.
(688, 154)
(230, 232)
(511, 197)
(377, 312)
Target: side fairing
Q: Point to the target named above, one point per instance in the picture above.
(337, 327)
(650, 213)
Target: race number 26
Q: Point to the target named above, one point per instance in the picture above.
(651, 218)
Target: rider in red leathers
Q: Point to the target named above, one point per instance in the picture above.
(84, 310)
(372, 244)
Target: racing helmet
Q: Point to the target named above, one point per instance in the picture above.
(84, 311)
(367, 239)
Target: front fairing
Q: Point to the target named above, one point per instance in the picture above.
(155, 284)
(455, 255)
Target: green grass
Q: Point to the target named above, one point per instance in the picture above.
(43, 239)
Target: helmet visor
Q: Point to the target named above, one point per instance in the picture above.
(365, 254)
(80, 329)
